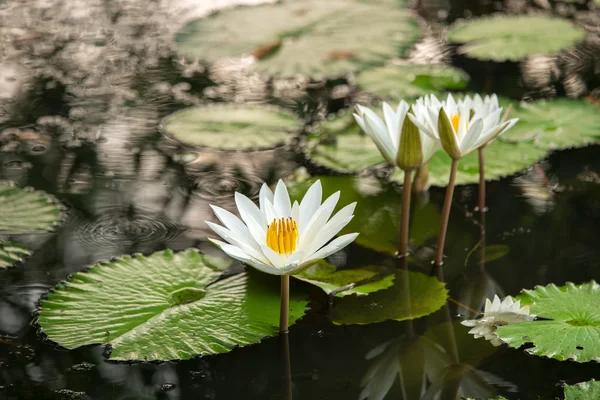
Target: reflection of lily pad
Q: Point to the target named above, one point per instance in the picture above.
(26, 211)
(501, 38)
(556, 124)
(232, 126)
(406, 81)
(309, 37)
(412, 296)
(325, 276)
(589, 390)
(11, 253)
(160, 308)
(572, 330)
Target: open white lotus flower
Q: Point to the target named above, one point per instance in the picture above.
(498, 313)
(280, 238)
(463, 126)
(397, 138)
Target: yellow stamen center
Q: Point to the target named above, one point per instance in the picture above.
(455, 121)
(282, 235)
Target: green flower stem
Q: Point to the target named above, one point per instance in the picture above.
(404, 219)
(287, 366)
(446, 214)
(285, 304)
(481, 203)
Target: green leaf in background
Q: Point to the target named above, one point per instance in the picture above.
(412, 296)
(573, 329)
(232, 126)
(395, 82)
(589, 390)
(310, 37)
(165, 306)
(501, 37)
(26, 210)
(555, 124)
(377, 213)
(325, 276)
(11, 253)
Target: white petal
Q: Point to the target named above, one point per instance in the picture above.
(231, 222)
(239, 254)
(332, 228)
(270, 212)
(309, 205)
(251, 247)
(382, 140)
(275, 258)
(265, 195)
(248, 209)
(393, 127)
(295, 211)
(332, 247)
(281, 201)
(466, 146)
(317, 221)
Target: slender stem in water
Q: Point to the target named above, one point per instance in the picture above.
(481, 203)
(445, 215)
(285, 304)
(287, 366)
(404, 219)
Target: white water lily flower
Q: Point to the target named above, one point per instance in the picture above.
(280, 238)
(463, 126)
(398, 142)
(498, 313)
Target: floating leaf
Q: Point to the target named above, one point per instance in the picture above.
(556, 124)
(308, 37)
(163, 307)
(405, 81)
(589, 390)
(501, 38)
(26, 211)
(232, 126)
(325, 276)
(412, 296)
(573, 329)
(11, 253)
(377, 212)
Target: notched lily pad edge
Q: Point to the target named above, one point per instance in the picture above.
(107, 347)
(293, 134)
(21, 260)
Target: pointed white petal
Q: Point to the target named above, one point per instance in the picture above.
(332, 228)
(270, 212)
(318, 220)
(239, 254)
(474, 132)
(265, 195)
(295, 211)
(248, 209)
(275, 258)
(309, 205)
(332, 247)
(231, 222)
(281, 201)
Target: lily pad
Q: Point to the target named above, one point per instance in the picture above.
(410, 81)
(556, 124)
(589, 390)
(340, 145)
(26, 210)
(571, 326)
(412, 296)
(325, 276)
(11, 253)
(165, 306)
(310, 37)
(501, 38)
(232, 126)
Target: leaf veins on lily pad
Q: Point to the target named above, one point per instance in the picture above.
(589, 390)
(570, 328)
(165, 306)
(11, 253)
(27, 210)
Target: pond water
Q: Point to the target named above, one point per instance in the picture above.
(80, 122)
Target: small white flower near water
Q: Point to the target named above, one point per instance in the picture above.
(498, 313)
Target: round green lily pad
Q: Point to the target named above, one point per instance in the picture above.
(409, 81)
(232, 126)
(570, 329)
(310, 37)
(11, 253)
(589, 390)
(412, 296)
(165, 306)
(501, 38)
(556, 124)
(27, 210)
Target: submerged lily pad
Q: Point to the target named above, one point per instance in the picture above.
(589, 390)
(572, 330)
(406, 81)
(325, 276)
(501, 38)
(11, 253)
(556, 124)
(310, 37)
(412, 296)
(342, 147)
(163, 307)
(27, 211)
(232, 126)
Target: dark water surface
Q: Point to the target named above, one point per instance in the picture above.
(88, 135)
